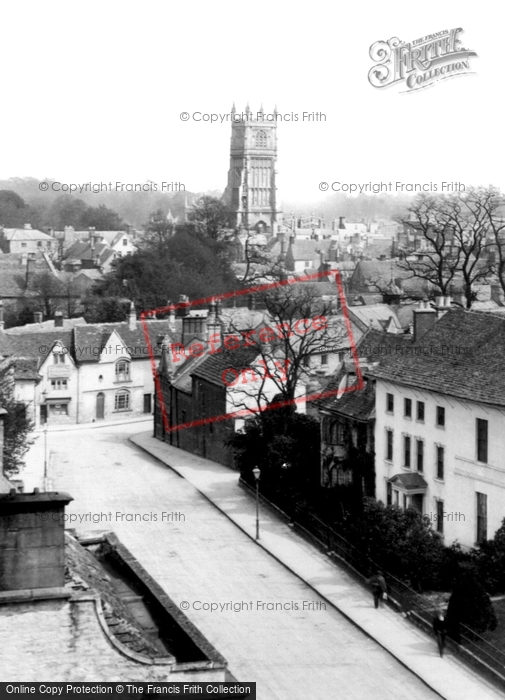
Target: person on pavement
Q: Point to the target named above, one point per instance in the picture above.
(440, 629)
(379, 588)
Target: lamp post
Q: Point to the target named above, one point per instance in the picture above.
(257, 472)
(44, 394)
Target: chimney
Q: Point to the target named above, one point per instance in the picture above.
(38, 317)
(424, 319)
(281, 236)
(194, 326)
(442, 306)
(32, 530)
(497, 294)
(27, 227)
(341, 222)
(91, 234)
(2, 322)
(213, 325)
(132, 318)
(171, 317)
(183, 306)
(58, 319)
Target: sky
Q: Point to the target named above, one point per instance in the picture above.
(93, 92)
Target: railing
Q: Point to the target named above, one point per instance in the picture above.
(406, 599)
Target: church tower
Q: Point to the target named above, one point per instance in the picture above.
(251, 193)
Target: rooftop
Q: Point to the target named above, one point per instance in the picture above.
(462, 356)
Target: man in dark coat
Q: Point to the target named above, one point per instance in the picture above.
(379, 588)
(440, 629)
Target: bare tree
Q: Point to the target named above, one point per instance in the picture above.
(438, 261)
(493, 204)
(300, 325)
(455, 229)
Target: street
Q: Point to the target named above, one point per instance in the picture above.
(269, 625)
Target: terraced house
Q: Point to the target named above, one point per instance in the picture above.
(440, 424)
(87, 373)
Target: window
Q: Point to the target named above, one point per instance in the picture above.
(341, 355)
(337, 433)
(324, 359)
(405, 501)
(440, 416)
(440, 462)
(390, 403)
(59, 409)
(407, 408)
(58, 358)
(420, 455)
(58, 384)
(481, 517)
(420, 410)
(122, 401)
(440, 517)
(147, 403)
(122, 371)
(481, 440)
(125, 241)
(389, 443)
(406, 451)
(389, 494)
(261, 139)
(306, 361)
(39, 243)
(23, 245)
(397, 498)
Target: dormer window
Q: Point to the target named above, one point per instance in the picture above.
(58, 358)
(123, 371)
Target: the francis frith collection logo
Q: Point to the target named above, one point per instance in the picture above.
(420, 63)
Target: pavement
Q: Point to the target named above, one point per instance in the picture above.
(448, 677)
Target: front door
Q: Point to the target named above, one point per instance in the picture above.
(43, 414)
(100, 405)
(417, 502)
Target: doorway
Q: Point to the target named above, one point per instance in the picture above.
(100, 405)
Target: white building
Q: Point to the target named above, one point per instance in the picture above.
(440, 424)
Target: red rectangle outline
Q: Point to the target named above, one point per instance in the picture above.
(144, 316)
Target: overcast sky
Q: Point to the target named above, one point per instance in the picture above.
(94, 91)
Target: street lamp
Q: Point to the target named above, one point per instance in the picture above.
(44, 394)
(257, 472)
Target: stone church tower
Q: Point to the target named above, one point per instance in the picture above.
(251, 193)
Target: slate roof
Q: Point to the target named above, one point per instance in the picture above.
(45, 326)
(462, 356)
(359, 405)
(410, 482)
(214, 365)
(91, 339)
(367, 315)
(25, 234)
(37, 345)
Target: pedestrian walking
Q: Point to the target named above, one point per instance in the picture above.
(379, 588)
(440, 629)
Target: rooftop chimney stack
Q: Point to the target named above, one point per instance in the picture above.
(132, 318)
(58, 319)
(183, 305)
(32, 532)
(38, 317)
(424, 319)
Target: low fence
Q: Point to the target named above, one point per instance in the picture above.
(476, 650)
